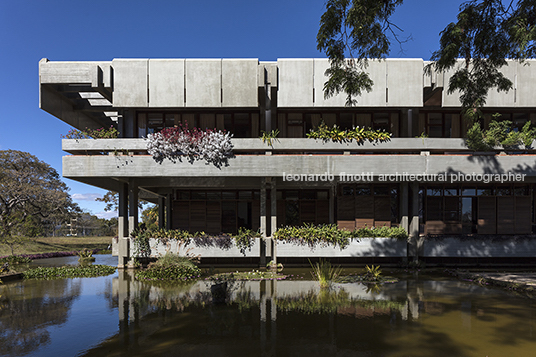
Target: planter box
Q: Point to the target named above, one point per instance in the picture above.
(364, 247)
(454, 247)
(158, 249)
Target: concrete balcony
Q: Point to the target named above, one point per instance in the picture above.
(128, 158)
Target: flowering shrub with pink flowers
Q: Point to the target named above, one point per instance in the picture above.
(213, 146)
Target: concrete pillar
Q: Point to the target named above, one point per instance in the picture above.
(161, 212)
(267, 103)
(132, 205)
(273, 221)
(128, 124)
(121, 125)
(414, 240)
(410, 123)
(262, 261)
(169, 210)
(122, 227)
(332, 195)
(404, 206)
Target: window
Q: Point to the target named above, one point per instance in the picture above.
(439, 125)
(381, 121)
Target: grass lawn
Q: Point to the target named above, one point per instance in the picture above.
(58, 244)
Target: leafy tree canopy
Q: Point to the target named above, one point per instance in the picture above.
(29, 189)
(486, 33)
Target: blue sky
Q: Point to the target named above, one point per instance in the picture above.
(100, 30)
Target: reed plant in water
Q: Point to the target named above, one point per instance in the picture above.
(325, 273)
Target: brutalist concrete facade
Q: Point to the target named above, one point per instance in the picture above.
(431, 185)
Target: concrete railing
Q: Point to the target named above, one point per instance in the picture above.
(290, 146)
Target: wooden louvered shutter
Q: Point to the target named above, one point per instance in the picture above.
(256, 214)
(364, 211)
(505, 215)
(487, 213)
(308, 212)
(523, 212)
(322, 211)
(228, 212)
(214, 217)
(345, 212)
(281, 211)
(198, 216)
(181, 215)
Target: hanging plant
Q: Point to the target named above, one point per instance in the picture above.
(212, 146)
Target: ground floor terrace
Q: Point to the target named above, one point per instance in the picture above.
(448, 222)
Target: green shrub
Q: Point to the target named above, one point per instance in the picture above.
(15, 259)
(47, 273)
(170, 267)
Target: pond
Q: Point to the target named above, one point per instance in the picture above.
(421, 315)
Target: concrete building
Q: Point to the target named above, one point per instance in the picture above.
(432, 185)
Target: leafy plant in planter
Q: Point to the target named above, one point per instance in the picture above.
(500, 133)
(244, 240)
(270, 137)
(359, 134)
(330, 234)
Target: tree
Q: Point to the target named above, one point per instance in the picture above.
(150, 217)
(485, 34)
(111, 199)
(352, 32)
(29, 188)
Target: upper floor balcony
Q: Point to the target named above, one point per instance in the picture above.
(286, 156)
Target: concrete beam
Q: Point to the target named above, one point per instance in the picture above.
(284, 165)
(415, 145)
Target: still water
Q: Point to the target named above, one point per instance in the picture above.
(118, 316)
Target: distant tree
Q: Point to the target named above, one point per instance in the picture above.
(111, 199)
(485, 34)
(150, 218)
(29, 189)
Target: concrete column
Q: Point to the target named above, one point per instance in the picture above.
(161, 212)
(404, 206)
(132, 205)
(262, 261)
(169, 210)
(332, 195)
(122, 227)
(121, 125)
(414, 240)
(410, 123)
(273, 221)
(128, 123)
(267, 103)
